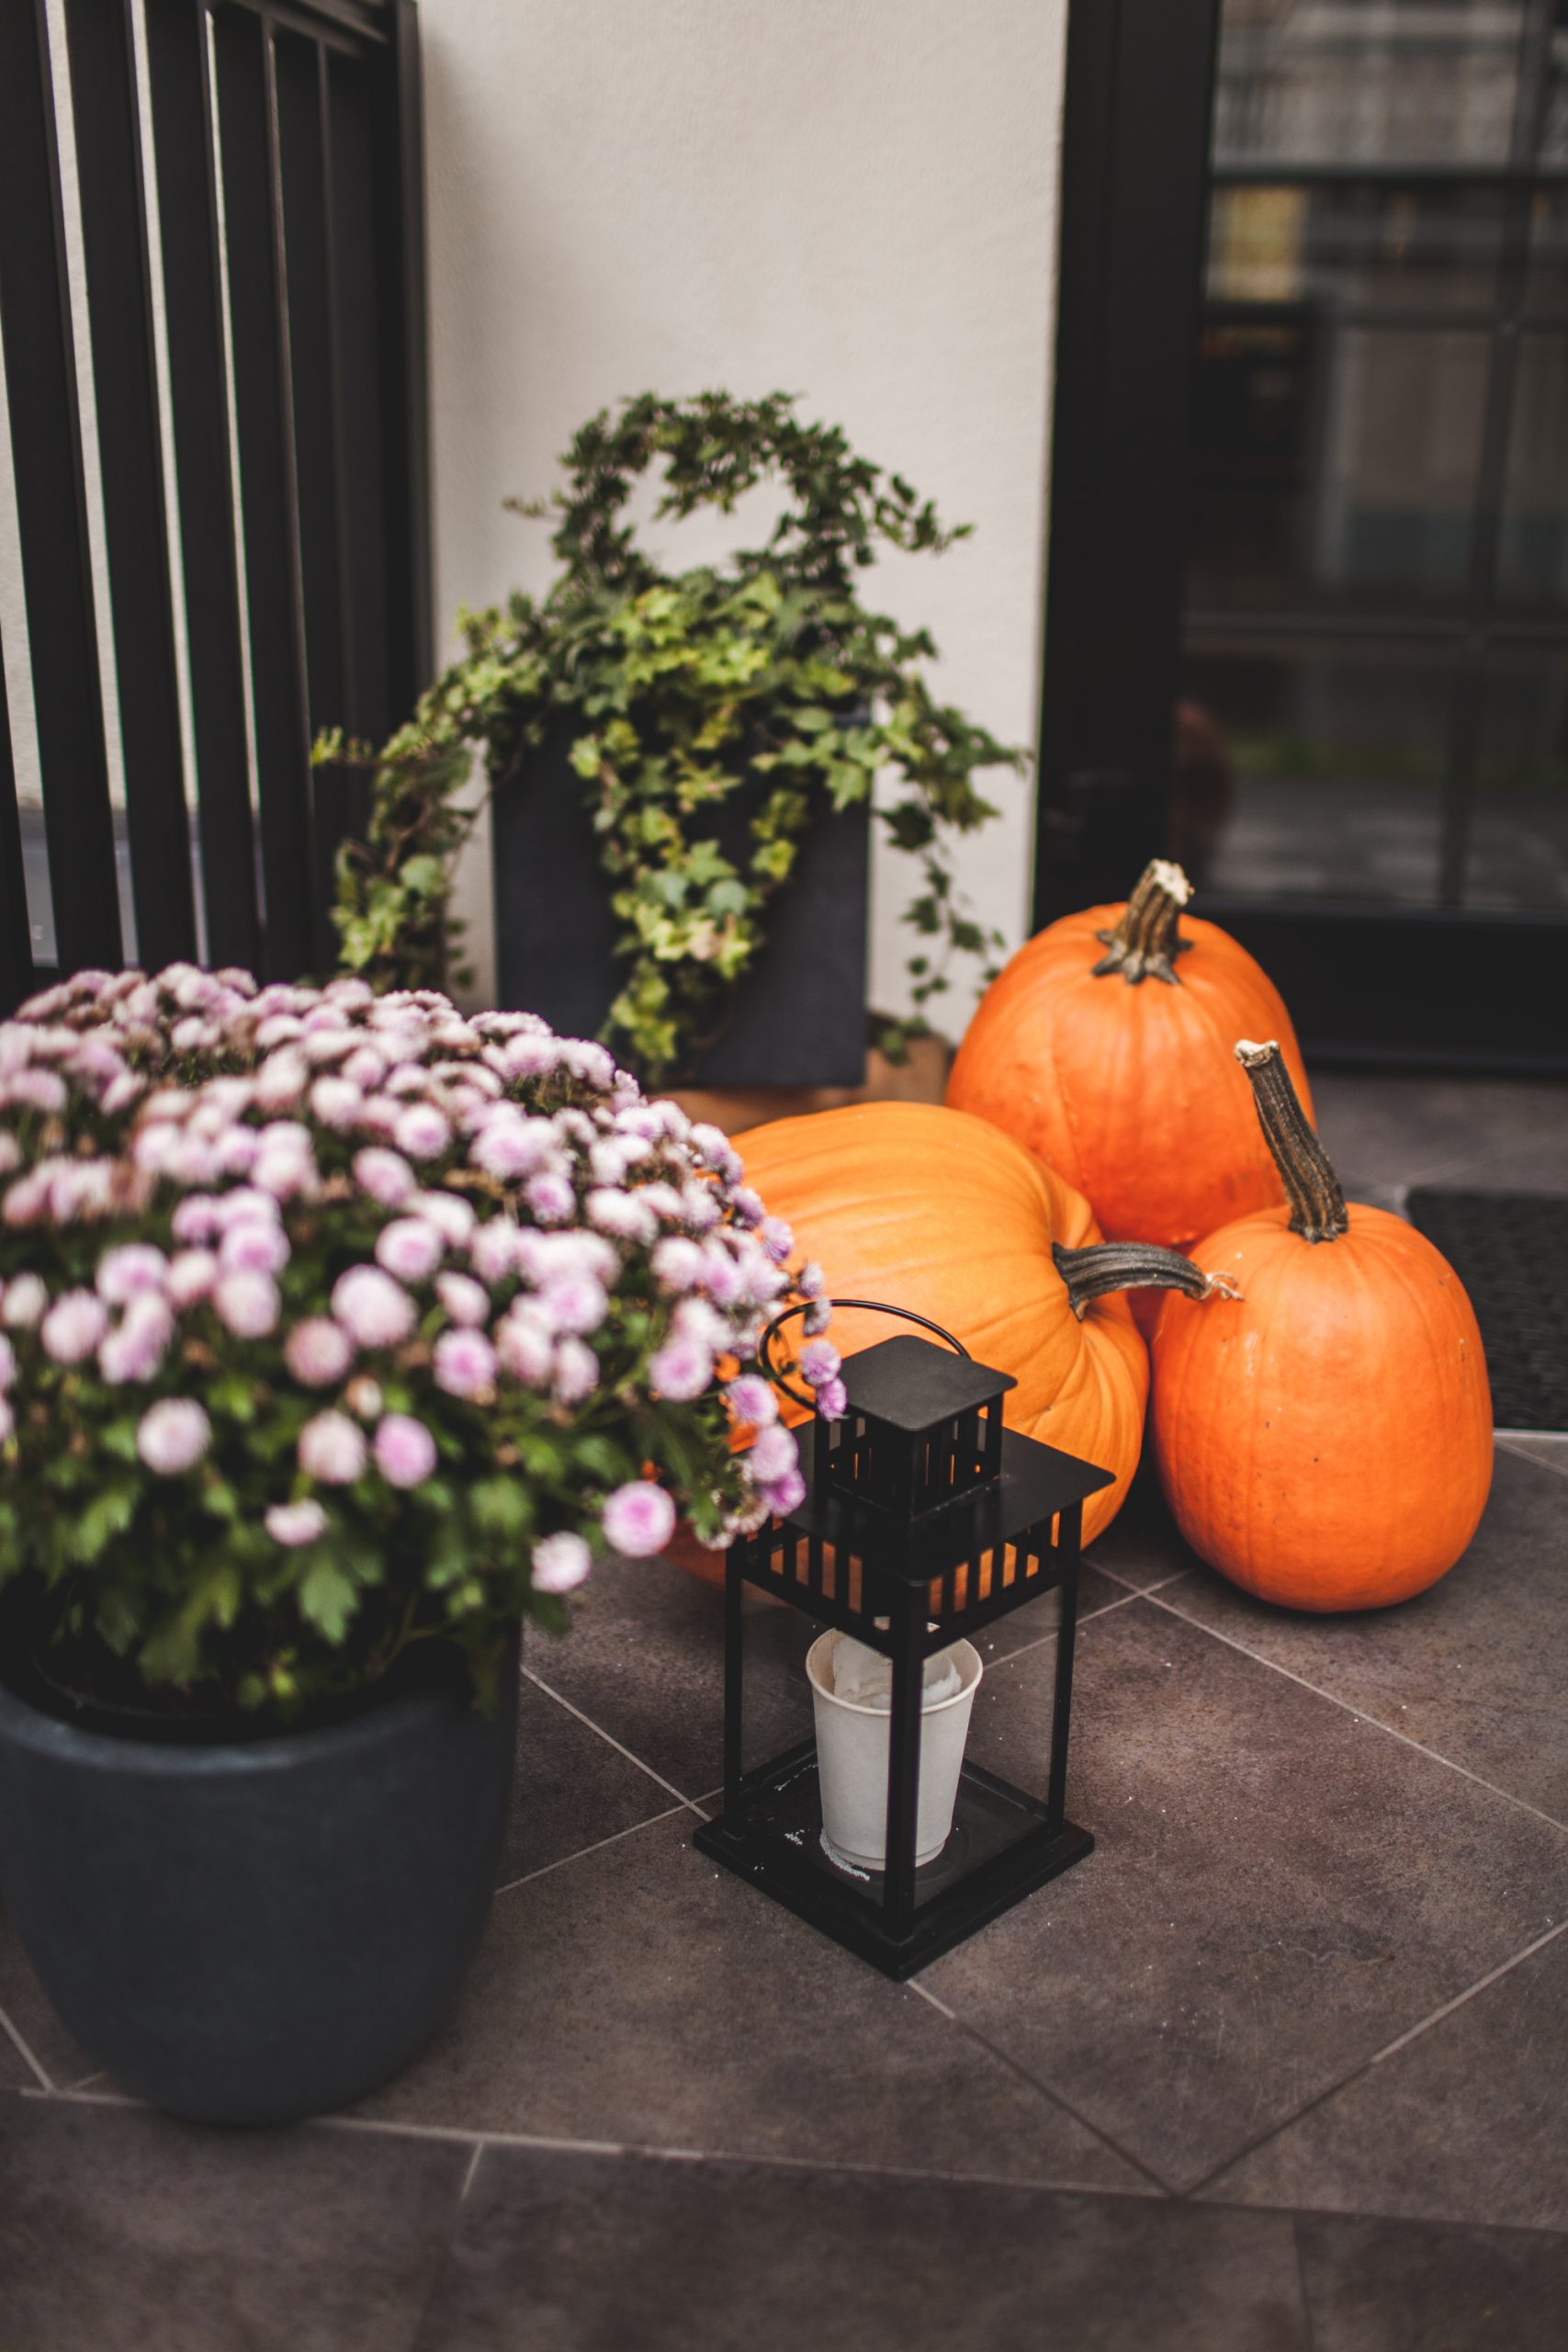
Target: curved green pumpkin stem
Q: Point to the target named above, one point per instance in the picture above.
(1148, 938)
(1317, 1204)
(1102, 1266)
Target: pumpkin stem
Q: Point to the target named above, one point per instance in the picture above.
(1317, 1204)
(1147, 939)
(1102, 1266)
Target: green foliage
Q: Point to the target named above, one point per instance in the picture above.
(714, 717)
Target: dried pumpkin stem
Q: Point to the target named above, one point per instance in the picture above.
(1317, 1204)
(1148, 939)
(1104, 1266)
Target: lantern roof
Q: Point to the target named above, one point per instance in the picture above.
(1036, 1481)
(910, 1385)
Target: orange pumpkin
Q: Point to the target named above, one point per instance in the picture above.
(927, 1208)
(1325, 1440)
(1105, 1047)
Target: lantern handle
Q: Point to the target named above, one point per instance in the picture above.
(868, 1305)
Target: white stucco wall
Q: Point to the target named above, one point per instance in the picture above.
(854, 200)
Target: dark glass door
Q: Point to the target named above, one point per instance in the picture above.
(1362, 708)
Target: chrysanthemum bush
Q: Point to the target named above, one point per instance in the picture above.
(332, 1322)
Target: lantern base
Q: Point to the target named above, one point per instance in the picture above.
(1002, 1846)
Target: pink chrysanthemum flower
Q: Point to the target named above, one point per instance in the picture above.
(576, 1372)
(680, 1369)
(74, 1326)
(752, 1399)
(294, 1523)
(372, 1308)
(26, 1301)
(173, 1435)
(464, 1300)
(422, 1132)
(559, 1563)
(126, 1272)
(463, 1364)
(550, 1197)
(247, 1304)
(135, 1349)
(332, 1450)
(254, 1247)
(638, 1519)
(405, 1451)
(318, 1351)
(410, 1249)
(385, 1175)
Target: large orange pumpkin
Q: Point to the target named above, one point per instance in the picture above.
(927, 1208)
(1105, 1046)
(1325, 1440)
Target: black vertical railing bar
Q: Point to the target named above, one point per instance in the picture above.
(52, 504)
(369, 712)
(184, 164)
(16, 931)
(399, 158)
(247, 146)
(308, 232)
(130, 463)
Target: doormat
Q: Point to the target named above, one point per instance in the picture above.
(1510, 1250)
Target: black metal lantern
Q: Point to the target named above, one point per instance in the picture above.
(923, 1520)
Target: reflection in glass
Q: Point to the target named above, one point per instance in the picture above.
(1380, 81)
(1303, 774)
(1518, 833)
(1436, 247)
(1546, 283)
(1333, 468)
(1532, 559)
(1553, 146)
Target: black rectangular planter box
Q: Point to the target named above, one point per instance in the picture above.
(799, 1013)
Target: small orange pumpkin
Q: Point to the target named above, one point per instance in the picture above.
(931, 1209)
(1129, 1090)
(1325, 1440)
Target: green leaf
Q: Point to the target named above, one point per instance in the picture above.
(501, 1507)
(108, 1514)
(327, 1597)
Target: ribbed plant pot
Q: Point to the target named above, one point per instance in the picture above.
(251, 1931)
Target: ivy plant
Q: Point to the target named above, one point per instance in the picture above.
(763, 682)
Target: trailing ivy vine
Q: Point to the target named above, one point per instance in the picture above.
(763, 677)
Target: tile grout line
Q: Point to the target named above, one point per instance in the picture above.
(1135, 1592)
(547, 2144)
(1089, 1617)
(597, 1847)
(1374, 1723)
(1045, 2090)
(1503, 1969)
(26, 2053)
(610, 1741)
(1540, 1460)
(1389, 2050)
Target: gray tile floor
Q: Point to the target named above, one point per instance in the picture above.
(1281, 2065)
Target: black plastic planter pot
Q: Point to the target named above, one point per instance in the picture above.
(255, 1931)
(799, 1017)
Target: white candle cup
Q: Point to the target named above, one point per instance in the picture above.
(851, 1761)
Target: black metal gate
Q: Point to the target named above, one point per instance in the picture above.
(254, 296)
